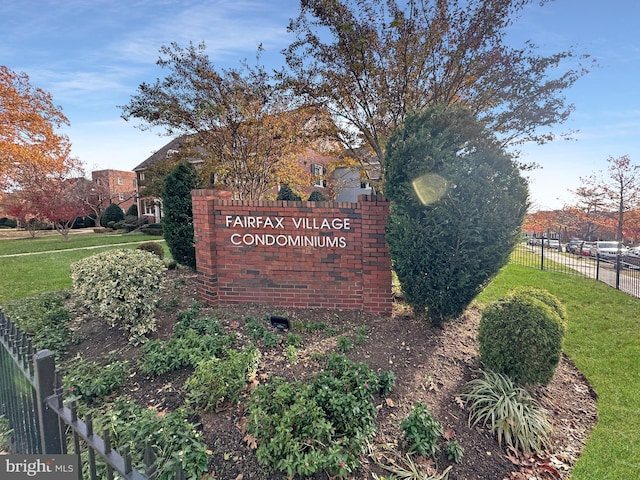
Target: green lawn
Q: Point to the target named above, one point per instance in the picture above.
(603, 339)
(27, 275)
(57, 242)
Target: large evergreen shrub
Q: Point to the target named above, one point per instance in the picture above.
(177, 223)
(132, 210)
(113, 213)
(317, 196)
(521, 336)
(457, 202)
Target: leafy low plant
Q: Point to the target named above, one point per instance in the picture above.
(45, 319)
(5, 435)
(177, 443)
(421, 431)
(455, 451)
(344, 344)
(88, 380)
(153, 247)
(386, 382)
(259, 331)
(191, 342)
(521, 336)
(216, 381)
(125, 297)
(361, 334)
(305, 428)
(508, 411)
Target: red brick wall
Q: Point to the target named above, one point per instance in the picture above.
(316, 254)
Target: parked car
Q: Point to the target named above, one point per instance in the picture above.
(553, 244)
(535, 241)
(585, 249)
(573, 246)
(608, 250)
(634, 252)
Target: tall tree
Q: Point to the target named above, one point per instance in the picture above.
(239, 121)
(371, 63)
(622, 189)
(28, 123)
(610, 195)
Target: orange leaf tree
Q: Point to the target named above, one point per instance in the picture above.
(28, 123)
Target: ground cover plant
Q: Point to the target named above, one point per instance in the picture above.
(415, 364)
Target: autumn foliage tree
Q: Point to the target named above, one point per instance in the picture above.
(371, 63)
(239, 121)
(28, 123)
(609, 196)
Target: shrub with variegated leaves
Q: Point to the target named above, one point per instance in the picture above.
(122, 287)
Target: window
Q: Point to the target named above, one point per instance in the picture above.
(141, 176)
(120, 182)
(171, 152)
(317, 172)
(149, 208)
(121, 196)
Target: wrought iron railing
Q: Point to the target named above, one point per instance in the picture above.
(619, 271)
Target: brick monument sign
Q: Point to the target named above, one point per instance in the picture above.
(292, 254)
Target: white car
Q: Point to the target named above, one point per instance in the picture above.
(608, 250)
(633, 252)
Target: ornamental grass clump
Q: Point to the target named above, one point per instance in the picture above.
(521, 336)
(508, 411)
(122, 287)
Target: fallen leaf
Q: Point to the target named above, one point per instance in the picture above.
(460, 402)
(389, 402)
(251, 441)
(449, 433)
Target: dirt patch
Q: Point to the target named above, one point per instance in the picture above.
(430, 365)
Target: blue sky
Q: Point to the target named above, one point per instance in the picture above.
(91, 55)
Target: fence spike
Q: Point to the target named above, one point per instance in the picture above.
(74, 411)
(149, 460)
(179, 473)
(107, 441)
(126, 455)
(57, 389)
(89, 422)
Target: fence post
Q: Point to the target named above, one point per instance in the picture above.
(44, 370)
(618, 271)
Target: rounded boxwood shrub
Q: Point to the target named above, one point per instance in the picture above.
(547, 298)
(153, 247)
(521, 336)
(113, 213)
(121, 286)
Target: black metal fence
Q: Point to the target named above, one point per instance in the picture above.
(619, 271)
(40, 422)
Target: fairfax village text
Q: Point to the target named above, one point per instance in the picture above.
(321, 225)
